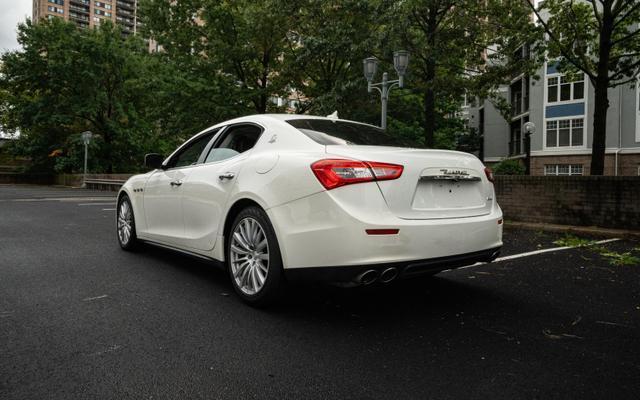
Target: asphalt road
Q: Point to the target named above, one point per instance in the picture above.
(81, 319)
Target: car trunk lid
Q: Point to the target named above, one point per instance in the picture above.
(435, 184)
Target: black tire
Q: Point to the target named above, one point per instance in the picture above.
(127, 242)
(274, 284)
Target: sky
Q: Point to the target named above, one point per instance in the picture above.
(13, 12)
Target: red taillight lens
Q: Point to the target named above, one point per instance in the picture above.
(334, 173)
(489, 174)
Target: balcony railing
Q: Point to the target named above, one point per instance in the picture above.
(78, 9)
(122, 4)
(78, 17)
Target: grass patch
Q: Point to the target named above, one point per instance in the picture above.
(621, 259)
(573, 241)
(613, 258)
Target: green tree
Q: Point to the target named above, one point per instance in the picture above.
(440, 35)
(601, 39)
(64, 81)
(326, 45)
(241, 42)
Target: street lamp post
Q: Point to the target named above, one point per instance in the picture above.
(86, 138)
(400, 63)
(529, 129)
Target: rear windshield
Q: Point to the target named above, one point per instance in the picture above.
(328, 132)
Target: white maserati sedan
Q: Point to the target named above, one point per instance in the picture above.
(283, 198)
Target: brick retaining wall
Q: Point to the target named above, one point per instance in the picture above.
(605, 201)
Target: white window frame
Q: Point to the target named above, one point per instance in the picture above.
(572, 168)
(572, 100)
(559, 148)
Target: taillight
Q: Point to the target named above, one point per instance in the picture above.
(334, 173)
(489, 173)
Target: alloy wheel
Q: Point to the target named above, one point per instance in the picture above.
(249, 252)
(125, 222)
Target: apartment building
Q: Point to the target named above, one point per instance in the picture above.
(90, 13)
(561, 109)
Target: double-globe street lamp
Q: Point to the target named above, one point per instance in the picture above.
(400, 63)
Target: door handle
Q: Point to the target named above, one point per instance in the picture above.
(227, 175)
(176, 183)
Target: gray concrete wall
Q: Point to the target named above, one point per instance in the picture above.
(496, 133)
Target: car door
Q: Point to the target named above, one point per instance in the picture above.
(207, 188)
(163, 192)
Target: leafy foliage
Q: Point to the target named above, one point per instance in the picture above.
(66, 81)
(509, 167)
(221, 59)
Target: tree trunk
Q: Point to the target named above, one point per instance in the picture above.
(601, 94)
(429, 117)
(430, 75)
(599, 127)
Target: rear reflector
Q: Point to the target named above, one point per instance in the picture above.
(333, 173)
(382, 231)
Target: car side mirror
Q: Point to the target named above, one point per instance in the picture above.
(153, 160)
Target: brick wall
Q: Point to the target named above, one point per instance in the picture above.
(605, 201)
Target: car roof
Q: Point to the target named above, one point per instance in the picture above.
(284, 118)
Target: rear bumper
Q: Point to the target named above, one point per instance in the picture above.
(406, 269)
(328, 229)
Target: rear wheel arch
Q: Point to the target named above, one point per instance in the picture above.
(235, 209)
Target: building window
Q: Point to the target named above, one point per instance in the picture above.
(560, 88)
(563, 169)
(55, 9)
(515, 144)
(58, 2)
(565, 133)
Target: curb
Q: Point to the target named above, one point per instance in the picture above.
(583, 230)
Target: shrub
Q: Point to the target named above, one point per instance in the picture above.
(509, 167)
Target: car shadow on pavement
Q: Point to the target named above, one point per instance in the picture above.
(428, 296)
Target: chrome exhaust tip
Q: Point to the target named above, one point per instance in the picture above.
(367, 277)
(388, 275)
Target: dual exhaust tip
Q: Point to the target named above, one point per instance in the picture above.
(370, 276)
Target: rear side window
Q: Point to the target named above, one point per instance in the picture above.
(328, 132)
(236, 140)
